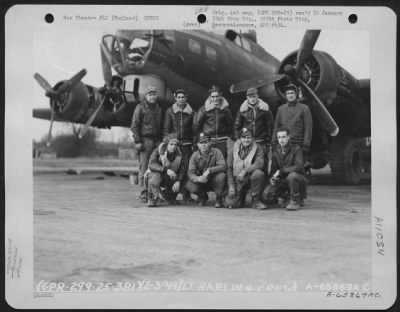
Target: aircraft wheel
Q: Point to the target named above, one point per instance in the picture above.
(346, 160)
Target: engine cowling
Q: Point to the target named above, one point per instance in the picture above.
(338, 90)
(72, 105)
(135, 87)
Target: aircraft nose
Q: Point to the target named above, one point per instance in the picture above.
(137, 50)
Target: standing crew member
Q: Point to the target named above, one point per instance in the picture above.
(287, 173)
(214, 119)
(179, 120)
(166, 169)
(245, 164)
(146, 129)
(297, 118)
(254, 114)
(206, 171)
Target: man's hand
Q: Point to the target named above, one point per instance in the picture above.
(176, 186)
(274, 178)
(171, 174)
(241, 175)
(232, 191)
(202, 179)
(206, 173)
(139, 147)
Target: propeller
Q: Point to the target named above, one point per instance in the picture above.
(45, 85)
(54, 94)
(321, 112)
(91, 119)
(306, 47)
(51, 123)
(293, 74)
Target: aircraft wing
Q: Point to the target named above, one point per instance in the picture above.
(45, 113)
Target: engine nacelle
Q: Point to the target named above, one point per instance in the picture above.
(134, 87)
(74, 104)
(323, 75)
(337, 89)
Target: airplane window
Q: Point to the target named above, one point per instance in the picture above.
(211, 53)
(169, 35)
(246, 44)
(238, 41)
(108, 41)
(194, 46)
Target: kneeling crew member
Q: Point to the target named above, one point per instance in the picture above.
(167, 169)
(245, 170)
(206, 171)
(287, 172)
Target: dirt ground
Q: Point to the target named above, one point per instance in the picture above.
(92, 228)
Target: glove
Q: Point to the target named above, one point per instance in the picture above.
(171, 174)
(202, 179)
(176, 186)
(139, 147)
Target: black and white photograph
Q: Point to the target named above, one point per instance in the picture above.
(200, 157)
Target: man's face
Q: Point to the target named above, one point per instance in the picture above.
(151, 97)
(291, 95)
(204, 146)
(116, 84)
(215, 98)
(172, 146)
(180, 99)
(246, 140)
(252, 98)
(283, 138)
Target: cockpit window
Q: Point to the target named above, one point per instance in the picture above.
(194, 46)
(108, 41)
(246, 44)
(238, 41)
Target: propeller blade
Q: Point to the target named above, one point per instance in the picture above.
(90, 120)
(45, 85)
(69, 84)
(51, 123)
(320, 111)
(306, 47)
(255, 83)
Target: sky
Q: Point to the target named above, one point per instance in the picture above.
(60, 54)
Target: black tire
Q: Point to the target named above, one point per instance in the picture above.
(346, 160)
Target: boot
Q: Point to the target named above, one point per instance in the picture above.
(257, 203)
(294, 203)
(143, 196)
(218, 202)
(152, 202)
(167, 194)
(172, 199)
(187, 198)
(202, 199)
(242, 200)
